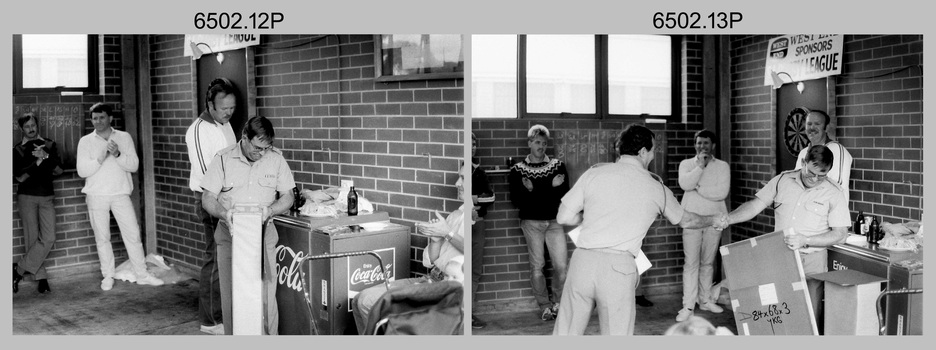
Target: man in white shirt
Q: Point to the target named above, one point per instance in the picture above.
(208, 134)
(817, 123)
(106, 158)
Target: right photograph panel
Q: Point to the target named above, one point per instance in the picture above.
(697, 184)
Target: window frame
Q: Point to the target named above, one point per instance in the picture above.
(93, 60)
(602, 98)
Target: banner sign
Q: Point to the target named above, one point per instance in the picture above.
(219, 42)
(803, 57)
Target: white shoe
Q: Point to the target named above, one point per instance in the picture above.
(711, 307)
(107, 284)
(684, 314)
(149, 280)
(217, 329)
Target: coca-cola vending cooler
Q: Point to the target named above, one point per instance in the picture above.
(334, 282)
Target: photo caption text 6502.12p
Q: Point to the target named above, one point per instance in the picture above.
(236, 20)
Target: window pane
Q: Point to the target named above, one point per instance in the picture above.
(55, 60)
(494, 76)
(639, 74)
(560, 73)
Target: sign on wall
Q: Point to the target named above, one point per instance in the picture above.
(803, 57)
(219, 42)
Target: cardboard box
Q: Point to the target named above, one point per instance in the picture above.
(767, 287)
(849, 302)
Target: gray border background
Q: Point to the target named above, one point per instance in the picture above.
(465, 17)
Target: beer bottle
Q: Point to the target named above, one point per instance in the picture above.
(352, 202)
(873, 231)
(856, 228)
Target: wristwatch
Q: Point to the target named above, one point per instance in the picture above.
(448, 237)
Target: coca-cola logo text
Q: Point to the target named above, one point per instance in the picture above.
(369, 274)
(288, 276)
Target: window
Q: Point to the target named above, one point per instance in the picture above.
(575, 76)
(418, 57)
(55, 63)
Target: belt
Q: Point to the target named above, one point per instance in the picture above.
(610, 251)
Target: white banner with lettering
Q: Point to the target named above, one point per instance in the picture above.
(219, 42)
(804, 57)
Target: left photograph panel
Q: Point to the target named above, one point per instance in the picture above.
(214, 184)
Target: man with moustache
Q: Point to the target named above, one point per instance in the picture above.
(208, 134)
(813, 205)
(105, 159)
(817, 123)
(537, 185)
(35, 164)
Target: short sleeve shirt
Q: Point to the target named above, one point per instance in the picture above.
(619, 201)
(237, 181)
(809, 211)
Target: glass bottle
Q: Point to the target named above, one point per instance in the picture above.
(352, 202)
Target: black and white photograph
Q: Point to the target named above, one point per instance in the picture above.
(697, 184)
(259, 184)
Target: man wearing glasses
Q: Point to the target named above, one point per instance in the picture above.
(248, 172)
(808, 201)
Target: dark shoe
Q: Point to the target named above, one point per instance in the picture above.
(43, 286)
(548, 314)
(476, 323)
(643, 301)
(16, 279)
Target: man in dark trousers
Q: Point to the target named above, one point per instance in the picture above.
(35, 164)
(537, 185)
(208, 134)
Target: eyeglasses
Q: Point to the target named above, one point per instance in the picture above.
(813, 175)
(257, 148)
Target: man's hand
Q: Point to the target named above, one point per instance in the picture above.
(113, 149)
(528, 184)
(22, 178)
(40, 153)
(721, 222)
(437, 227)
(558, 180)
(474, 213)
(796, 241)
(703, 159)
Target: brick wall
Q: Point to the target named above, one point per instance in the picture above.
(74, 249)
(400, 142)
(505, 283)
(879, 120)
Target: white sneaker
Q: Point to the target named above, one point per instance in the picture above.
(684, 314)
(711, 307)
(217, 329)
(107, 284)
(149, 280)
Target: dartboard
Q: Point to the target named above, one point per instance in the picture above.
(794, 131)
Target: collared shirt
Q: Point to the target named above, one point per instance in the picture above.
(204, 139)
(111, 177)
(706, 188)
(841, 165)
(450, 260)
(809, 211)
(619, 202)
(238, 181)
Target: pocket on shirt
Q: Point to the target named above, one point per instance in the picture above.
(267, 182)
(818, 209)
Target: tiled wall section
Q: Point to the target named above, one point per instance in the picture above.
(879, 108)
(400, 142)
